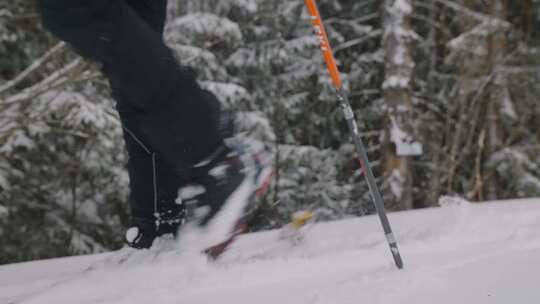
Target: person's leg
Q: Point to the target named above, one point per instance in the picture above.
(153, 184)
(170, 123)
(153, 12)
(176, 119)
(153, 187)
(174, 130)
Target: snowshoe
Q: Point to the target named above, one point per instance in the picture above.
(228, 196)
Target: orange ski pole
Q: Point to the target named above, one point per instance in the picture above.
(326, 48)
(330, 61)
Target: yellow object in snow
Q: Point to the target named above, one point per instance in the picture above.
(300, 218)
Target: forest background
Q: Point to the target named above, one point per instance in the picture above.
(445, 93)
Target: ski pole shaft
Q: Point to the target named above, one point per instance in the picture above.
(330, 61)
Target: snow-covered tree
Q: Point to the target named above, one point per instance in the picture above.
(62, 179)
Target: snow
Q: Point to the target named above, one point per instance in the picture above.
(205, 25)
(402, 6)
(3, 210)
(402, 140)
(469, 41)
(518, 168)
(250, 6)
(396, 181)
(16, 140)
(229, 93)
(507, 107)
(458, 253)
(396, 82)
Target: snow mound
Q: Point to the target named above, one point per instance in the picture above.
(458, 253)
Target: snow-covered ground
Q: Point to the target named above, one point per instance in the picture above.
(459, 253)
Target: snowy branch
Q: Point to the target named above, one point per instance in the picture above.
(34, 66)
(354, 42)
(54, 79)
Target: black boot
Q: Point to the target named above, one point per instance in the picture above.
(161, 198)
(154, 185)
(140, 235)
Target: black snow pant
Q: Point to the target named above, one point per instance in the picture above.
(170, 123)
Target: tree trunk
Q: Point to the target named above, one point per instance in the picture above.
(400, 143)
(435, 186)
(498, 91)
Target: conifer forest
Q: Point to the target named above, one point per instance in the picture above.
(446, 94)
